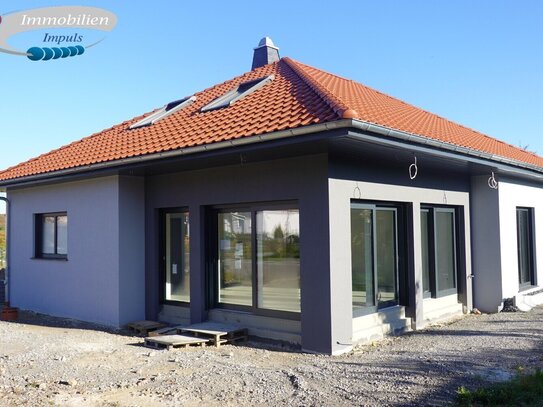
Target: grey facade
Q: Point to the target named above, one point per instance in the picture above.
(114, 270)
(281, 202)
(113, 273)
(102, 279)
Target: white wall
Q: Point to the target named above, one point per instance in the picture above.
(512, 195)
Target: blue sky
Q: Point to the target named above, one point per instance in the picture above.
(478, 63)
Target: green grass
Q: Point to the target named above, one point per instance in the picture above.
(523, 390)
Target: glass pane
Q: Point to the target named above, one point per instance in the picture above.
(48, 235)
(425, 251)
(235, 258)
(177, 257)
(385, 238)
(62, 235)
(362, 257)
(445, 261)
(278, 255)
(523, 242)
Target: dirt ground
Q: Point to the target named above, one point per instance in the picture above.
(53, 361)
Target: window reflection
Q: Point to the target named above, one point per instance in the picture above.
(235, 258)
(278, 257)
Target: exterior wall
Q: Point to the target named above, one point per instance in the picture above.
(301, 179)
(511, 196)
(87, 285)
(495, 256)
(341, 191)
(131, 213)
(486, 257)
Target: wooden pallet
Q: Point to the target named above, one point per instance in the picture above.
(144, 327)
(169, 330)
(174, 341)
(217, 332)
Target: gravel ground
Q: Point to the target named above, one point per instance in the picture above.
(55, 361)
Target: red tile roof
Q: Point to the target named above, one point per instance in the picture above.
(299, 95)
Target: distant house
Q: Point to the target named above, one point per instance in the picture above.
(305, 206)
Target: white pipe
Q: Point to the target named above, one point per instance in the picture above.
(8, 235)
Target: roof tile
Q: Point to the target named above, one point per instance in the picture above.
(299, 95)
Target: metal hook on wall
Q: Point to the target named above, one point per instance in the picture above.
(357, 194)
(413, 169)
(492, 183)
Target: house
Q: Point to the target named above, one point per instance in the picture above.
(302, 205)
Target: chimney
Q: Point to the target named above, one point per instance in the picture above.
(265, 53)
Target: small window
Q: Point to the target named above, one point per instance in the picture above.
(244, 89)
(167, 110)
(52, 235)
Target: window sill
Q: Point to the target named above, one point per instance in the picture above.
(49, 258)
(175, 303)
(260, 312)
(526, 289)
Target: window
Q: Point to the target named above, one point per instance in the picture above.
(438, 245)
(258, 259)
(52, 235)
(246, 88)
(176, 256)
(167, 110)
(525, 247)
(374, 256)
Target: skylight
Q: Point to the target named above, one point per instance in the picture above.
(165, 111)
(244, 89)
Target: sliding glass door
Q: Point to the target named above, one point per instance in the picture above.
(258, 259)
(374, 248)
(439, 252)
(235, 258)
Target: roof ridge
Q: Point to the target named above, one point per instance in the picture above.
(342, 109)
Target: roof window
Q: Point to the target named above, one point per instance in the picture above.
(244, 89)
(167, 110)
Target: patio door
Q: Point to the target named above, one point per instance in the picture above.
(375, 261)
(176, 257)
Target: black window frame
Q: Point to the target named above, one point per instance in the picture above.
(400, 234)
(531, 248)
(162, 254)
(38, 236)
(434, 291)
(212, 251)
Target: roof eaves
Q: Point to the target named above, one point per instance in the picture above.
(303, 130)
(298, 131)
(419, 139)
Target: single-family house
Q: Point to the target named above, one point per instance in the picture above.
(305, 206)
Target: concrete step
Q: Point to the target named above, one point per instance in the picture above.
(375, 326)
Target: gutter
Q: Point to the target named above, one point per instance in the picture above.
(453, 150)
(8, 235)
(507, 165)
(402, 135)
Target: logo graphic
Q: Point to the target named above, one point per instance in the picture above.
(61, 38)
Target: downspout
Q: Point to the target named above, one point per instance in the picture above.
(8, 236)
